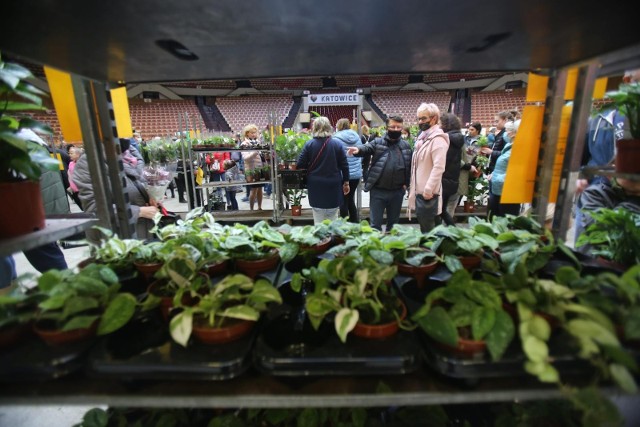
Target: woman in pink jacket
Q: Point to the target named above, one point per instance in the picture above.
(427, 165)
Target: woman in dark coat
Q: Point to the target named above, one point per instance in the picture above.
(325, 160)
(450, 123)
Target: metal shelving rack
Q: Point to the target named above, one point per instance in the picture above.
(107, 53)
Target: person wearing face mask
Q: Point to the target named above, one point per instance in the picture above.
(497, 177)
(388, 176)
(498, 143)
(427, 167)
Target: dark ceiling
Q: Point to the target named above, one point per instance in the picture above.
(148, 41)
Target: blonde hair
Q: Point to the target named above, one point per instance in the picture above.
(321, 127)
(365, 129)
(248, 128)
(343, 124)
(431, 109)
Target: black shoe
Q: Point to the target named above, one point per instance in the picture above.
(182, 201)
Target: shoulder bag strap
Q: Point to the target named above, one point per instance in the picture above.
(315, 160)
(139, 187)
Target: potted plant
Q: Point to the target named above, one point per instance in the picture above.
(294, 197)
(466, 317)
(305, 244)
(18, 307)
(181, 271)
(22, 158)
(226, 313)
(77, 305)
(254, 249)
(460, 247)
(288, 147)
(627, 101)
(148, 258)
(360, 295)
(613, 235)
(573, 304)
(405, 243)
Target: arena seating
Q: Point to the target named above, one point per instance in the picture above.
(240, 111)
(406, 104)
(485, 105)
(335, 112)
(163, 117)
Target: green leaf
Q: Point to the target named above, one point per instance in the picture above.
(482, 321)
(181, 326)
(309, 417)
(439, 326)
(501, 335)
(535, 349)
(243, 312)
(589, 328)
(623, 378)
(95, 417)
(21, 106)
(80, 322)
(539, 328)
(345, 321)
(118, 313)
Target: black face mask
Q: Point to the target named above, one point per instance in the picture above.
(394, 134)
(425, 126)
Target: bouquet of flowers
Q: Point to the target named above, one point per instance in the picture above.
(157, 177)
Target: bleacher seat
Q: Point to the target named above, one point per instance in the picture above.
(406, 104)
(241, 111)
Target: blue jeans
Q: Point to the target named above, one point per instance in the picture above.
(46, 257)
(381, 200)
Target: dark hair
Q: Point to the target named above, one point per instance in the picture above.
(125, 143)
(69, 147)
(398, 119)
(505, 115)
(229, 163)
(476, 125)
(450, 122)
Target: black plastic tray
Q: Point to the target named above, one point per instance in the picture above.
(510, 365)
(289, 346)
(32, 359)
(144, 350)
(282, 349)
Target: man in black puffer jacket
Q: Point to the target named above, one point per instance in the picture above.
(389, 174)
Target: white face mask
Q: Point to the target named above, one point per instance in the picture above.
(138, 139)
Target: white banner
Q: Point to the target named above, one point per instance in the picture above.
(334, 99)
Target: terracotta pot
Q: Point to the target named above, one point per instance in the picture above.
(148, 269)
(469, 262)
(379, 331)
(419, 273)
(217, 268)
(26, 213)
(166, 301)
(236, 330)
(296, 210)
(254, 267)
(319, 248)
(466, 349)
(627, 156)
(469, 207)
(57, 337)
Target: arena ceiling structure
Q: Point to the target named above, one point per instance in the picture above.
(149, 41)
